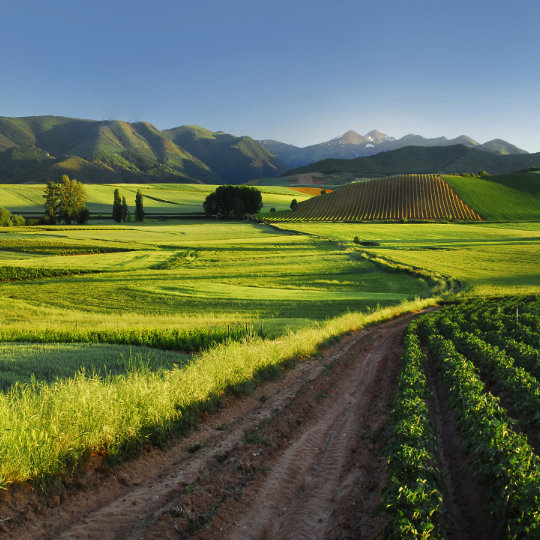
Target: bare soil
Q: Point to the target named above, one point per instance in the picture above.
(300, 457)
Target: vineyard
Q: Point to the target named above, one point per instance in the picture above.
(409, 196)
(487, 356)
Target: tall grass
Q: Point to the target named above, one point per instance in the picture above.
(48, 430)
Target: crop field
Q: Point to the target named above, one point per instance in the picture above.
(158, 198)
(418, 197)
(486, 355)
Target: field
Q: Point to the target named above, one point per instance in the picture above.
(403, 197)
(488, 258)
(96, 322)
(27, 199)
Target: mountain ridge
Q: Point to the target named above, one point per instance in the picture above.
(352, 145)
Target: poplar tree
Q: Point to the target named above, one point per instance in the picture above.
(139, 209)
(117, 209)
(125, 210)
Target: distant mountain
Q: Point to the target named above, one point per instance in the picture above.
(234, 159)
(39, 148)
(420, 159)
(352, 145)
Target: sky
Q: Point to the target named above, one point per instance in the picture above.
(301, 72)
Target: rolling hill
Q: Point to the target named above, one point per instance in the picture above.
(353, 145)
(418, 159)
(425, 197)
(38, 148)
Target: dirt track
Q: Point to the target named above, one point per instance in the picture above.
(296, 459)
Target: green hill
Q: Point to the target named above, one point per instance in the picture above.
(37, 148)
(506, 197)
(419, 159)
(235, 159)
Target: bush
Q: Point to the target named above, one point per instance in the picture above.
(233, 201)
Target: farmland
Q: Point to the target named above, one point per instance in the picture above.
(417, 197)
(159, 199)
(122, 301)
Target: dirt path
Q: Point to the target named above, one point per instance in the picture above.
(296, 459)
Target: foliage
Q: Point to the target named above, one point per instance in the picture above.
(125, 210)
(500, 456)
(7, 219)
(117, 209)
(139, 208)
(412, 498)
(233, 201)
(294, 205)
(65, 200)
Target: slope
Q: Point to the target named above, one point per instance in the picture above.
(418, 197)
(508, 197)
(418, 159)
(234, 159)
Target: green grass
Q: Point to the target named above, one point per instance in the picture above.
(23, 363)
(191, 274)
(488, 258)
(159, 198)
(505, 197)
(47, 430)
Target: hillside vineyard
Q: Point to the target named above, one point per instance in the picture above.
(411, 197)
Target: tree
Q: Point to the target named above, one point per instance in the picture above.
(139, 209)
(294, 205)
(64, 200)
(233, 201)
(117, 206)
(125, 210)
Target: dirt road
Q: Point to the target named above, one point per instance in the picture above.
(298, 458)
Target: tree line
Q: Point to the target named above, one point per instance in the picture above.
(65, 201)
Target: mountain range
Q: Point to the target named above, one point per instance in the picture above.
(457, 158)
(352, 145)
(39, 148)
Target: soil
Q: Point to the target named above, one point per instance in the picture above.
(300, 457)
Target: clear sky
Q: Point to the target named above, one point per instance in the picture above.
(298, 71)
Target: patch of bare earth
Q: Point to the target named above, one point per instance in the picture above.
(298, 458)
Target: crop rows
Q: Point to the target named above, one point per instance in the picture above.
(411, 197)
(496, 440)
(21, 273)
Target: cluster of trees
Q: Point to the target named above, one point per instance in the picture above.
(120, 210)
(233, 202)
(9, 220)
(65, 200)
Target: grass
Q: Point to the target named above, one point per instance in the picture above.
(23, 363)
(158, 198)
(490, 259)
(505, 197)
(47, 430)
(192, 274)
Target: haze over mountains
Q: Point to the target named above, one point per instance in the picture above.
(40, 148)
(353, 145)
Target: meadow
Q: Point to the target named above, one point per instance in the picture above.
(27, 199)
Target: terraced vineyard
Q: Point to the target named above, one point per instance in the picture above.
(410, 196)
(486, 356)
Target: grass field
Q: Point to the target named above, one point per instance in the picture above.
(158, 198)
(192, 274)
(501, 197)
(488, 258)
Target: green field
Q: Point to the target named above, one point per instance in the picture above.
(489, 258)
(158, 198)
(503, 197)
(303, 287)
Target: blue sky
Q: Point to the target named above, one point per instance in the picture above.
(297, 71)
